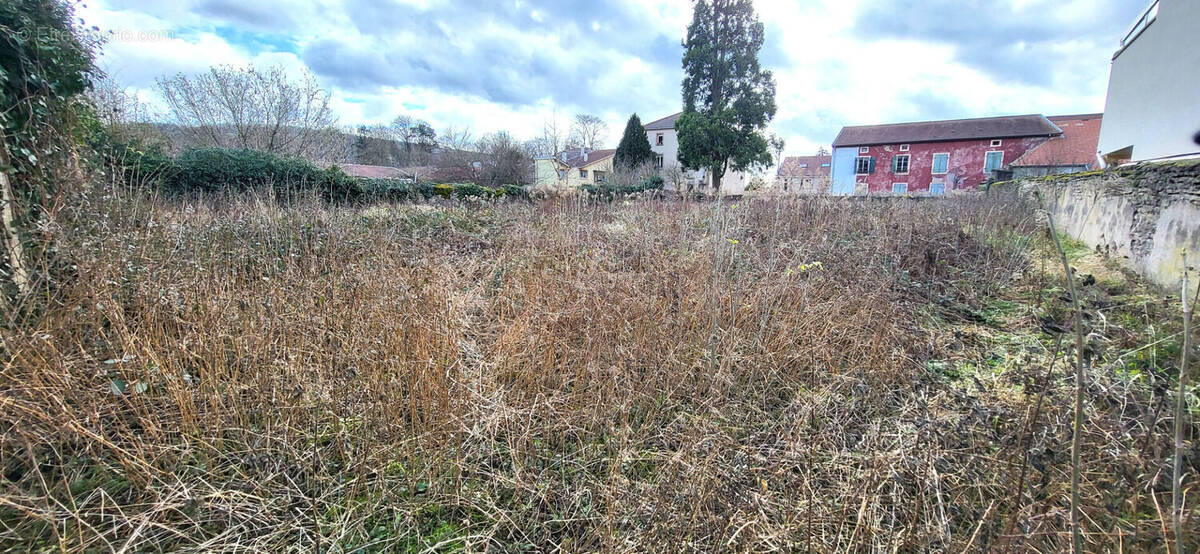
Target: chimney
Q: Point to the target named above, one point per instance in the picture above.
(585, 156)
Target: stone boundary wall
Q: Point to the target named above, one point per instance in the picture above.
(1146, 214)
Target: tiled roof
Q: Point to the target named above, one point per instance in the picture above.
(375, 171)
(664, 124)
(939, 131)
(431, 173)
(577, 158)
(1078, 144)
(805, 166)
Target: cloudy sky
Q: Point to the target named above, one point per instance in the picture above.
(511, 64)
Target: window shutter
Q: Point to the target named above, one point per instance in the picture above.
(871, 168)
(895, 164)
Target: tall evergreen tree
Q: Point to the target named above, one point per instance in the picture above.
(634, 149)
(728, 97)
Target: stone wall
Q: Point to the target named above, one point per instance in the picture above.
(1146, 214)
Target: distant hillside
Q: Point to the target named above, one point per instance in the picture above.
(344, 146)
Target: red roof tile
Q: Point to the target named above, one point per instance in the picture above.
(375, 171)
(577, 158)
(437, 174)
(1078, 144)
(956, 129)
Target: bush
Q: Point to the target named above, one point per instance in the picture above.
(514, 191)
(471, 190)
(398, 190)
(140, 164)
(133, 162)
(445, 191)
(45, 65)
(211, 169)
(387, 189)
(652, 183)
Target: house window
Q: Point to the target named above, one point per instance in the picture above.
(658, 161)
(941, 163)
(937, 189)
(899, 188)
(659, 139)
(825, 165)
(583, 174)
(864, 150)
(864, 165)
(802, 166)
(599, 176)
(900, 164)
(993, 161)
(904, 148)
(996, 143)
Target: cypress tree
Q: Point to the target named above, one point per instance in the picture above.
(634, 149)
(728, 98)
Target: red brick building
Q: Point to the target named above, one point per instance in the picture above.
(932, 157)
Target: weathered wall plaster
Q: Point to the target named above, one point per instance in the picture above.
(1146, 214)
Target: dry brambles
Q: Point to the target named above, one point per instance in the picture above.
(830, 375)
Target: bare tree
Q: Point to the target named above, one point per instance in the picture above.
(588, 131)
(458, 147)
(505, 161)
(458, 153)
(777, 145)
(231, 107)
(554, 138)
(822, 151)
(375, 145)
(123, 115)
(115, 105)
(416, 136)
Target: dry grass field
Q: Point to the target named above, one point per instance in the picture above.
(824, 375)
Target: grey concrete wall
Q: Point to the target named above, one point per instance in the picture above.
(1146, 215)
(1153, 100)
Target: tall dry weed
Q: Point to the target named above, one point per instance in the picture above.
(232, 374)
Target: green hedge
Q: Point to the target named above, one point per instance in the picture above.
(137, 164)
(608, 192)
(399, 190)
(212, 169)
(217, 169)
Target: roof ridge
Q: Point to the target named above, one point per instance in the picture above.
(945, 120)
(661, 119)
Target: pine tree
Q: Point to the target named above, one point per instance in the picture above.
(634, 149)
(728, 97)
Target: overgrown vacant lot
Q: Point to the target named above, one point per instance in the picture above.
(231, 375)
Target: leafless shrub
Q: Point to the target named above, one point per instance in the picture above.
(232, 107)
(505, 161)
(588, 130)
(623, 176)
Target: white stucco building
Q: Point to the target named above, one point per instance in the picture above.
(1153, 106)
(665, 143)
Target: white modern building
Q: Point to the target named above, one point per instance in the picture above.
(665, 142)
(1153, 106)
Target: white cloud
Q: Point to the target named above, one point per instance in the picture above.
(509, 66)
